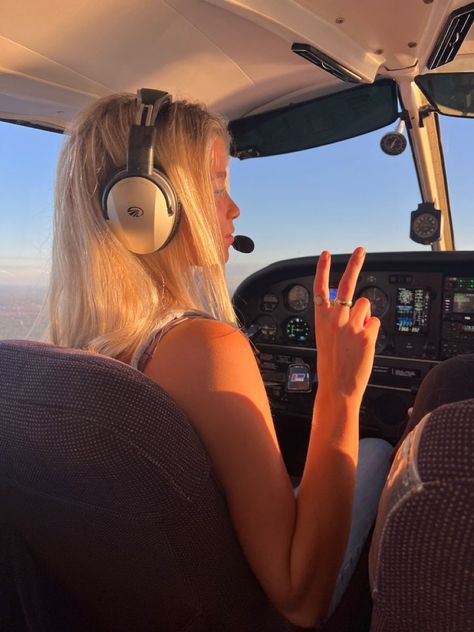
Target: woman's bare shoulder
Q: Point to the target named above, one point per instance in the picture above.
(209, 328)
(209, 367)
(201, 345)
(200, 336)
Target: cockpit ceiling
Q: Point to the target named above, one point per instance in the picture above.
(234, 55)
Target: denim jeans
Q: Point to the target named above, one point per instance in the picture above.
(372, 470)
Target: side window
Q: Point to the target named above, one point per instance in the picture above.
(27, 170)
(458, 137)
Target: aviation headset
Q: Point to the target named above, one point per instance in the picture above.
(139, 202)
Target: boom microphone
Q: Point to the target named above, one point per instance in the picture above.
(242, 243)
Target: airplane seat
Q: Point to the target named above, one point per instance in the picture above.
(422, 553)
(110, 515)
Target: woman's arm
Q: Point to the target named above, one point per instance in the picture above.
(345, 341)
(294, 546)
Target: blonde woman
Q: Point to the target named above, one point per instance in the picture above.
(169, 314)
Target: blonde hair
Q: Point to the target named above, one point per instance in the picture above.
(103, 297)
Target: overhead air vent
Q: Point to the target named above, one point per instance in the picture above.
(324, 62)
(452, 36)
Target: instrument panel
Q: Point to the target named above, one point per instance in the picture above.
(405, 304)
(424, 300)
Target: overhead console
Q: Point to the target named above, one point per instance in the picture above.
(425, 302)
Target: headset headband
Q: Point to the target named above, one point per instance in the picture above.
(140, 160)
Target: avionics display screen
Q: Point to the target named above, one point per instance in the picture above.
(412, 310)
(463, 303)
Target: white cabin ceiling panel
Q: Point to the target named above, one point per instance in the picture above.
(234, 55)
(150, 44)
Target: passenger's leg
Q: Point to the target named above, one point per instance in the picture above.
(372, 469)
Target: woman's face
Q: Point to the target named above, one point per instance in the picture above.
(227, 210)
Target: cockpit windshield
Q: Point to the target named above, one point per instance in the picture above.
(333, 197)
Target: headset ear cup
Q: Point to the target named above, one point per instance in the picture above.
(143, 211)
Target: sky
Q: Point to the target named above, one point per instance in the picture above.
(334, 197)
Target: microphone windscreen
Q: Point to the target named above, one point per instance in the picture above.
(243, 244)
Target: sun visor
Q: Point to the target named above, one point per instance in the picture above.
(316, 122)
(450, 93)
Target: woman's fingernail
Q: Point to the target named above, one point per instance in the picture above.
(324, 255)
(359, 252)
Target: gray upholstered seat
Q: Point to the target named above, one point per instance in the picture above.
(110, 517)
(422, 555)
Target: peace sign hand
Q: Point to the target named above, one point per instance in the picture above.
(345, 337)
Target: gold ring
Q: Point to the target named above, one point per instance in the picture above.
(339, 301)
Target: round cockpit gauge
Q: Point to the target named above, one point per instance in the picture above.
(426, 227)
(426, 224)
(393, 143)
(269, 302)
(378, 300)
(381, 342)
(297, 329)
(267, 329)
(298, 298)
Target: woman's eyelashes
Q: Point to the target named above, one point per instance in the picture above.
(220, 186)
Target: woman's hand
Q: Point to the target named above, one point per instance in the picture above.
(345, 336)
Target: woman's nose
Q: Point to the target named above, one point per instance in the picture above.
(234, 210)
